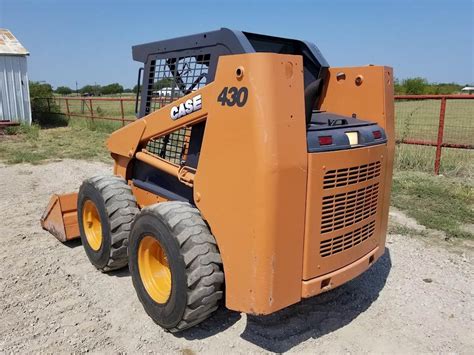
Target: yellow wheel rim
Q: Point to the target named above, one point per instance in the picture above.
(92, 225)
(154, 269)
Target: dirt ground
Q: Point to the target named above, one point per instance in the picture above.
(417, 298)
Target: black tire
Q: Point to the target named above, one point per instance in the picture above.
(194, 261)
(117, 208)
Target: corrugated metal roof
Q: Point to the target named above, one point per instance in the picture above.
(9, 45)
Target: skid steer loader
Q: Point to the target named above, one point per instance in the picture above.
(253, 167)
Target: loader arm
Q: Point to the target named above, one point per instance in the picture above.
(125, 143)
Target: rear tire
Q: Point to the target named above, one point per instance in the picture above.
(192, 257)
(114, 206)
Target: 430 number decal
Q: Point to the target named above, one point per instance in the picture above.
(233, 96)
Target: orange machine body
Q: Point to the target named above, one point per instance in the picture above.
(289, 224)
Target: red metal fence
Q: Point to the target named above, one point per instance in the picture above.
(101, 108)
(119, 109)
(441, 121)
(88, 110)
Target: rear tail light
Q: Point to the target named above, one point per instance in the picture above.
(377, 134)
(325, 140)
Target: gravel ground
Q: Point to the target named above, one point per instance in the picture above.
(417, 298)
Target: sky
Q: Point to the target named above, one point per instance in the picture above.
(89, 41)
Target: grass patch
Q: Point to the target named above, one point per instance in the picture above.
(30, 132)
(100, 126)
(437, 202)
(395, 228)
(77, 141)
(454, 162)
(419, 119)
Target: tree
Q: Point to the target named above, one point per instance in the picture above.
(111, 89)
(44, 109)
(91, 90)
(41, 94)
(415, 86)
(40, 89)
(445, 88)
(63, 90)
(398, 87)
(418, 86)
(164, 83)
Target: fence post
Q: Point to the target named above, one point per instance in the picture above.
(49, 104)
(442, 112)
(121, 110)
(67, 109)
(91, 109)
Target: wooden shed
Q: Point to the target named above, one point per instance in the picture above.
(14, 89)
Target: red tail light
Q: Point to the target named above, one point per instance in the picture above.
(325, 140)
(377, 134)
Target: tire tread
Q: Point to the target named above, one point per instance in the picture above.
(121, 208)
(201, 257)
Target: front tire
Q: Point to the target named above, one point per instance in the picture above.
(106, 208)
(175, 265)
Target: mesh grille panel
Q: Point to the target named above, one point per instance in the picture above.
(343, 242)
(344, 209)
(172, 78)
(352, 175)
(172, 147)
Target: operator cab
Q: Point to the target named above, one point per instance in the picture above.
(176, 67)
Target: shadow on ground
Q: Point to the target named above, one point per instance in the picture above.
(73, 243)
(123, 272)
(311, 318)
(48, 119)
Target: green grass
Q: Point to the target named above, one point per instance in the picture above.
(29, 132)
(454, 162)
(102, 126)
(419, 119)
(80, 140)
(394, 228)
(437, 202)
